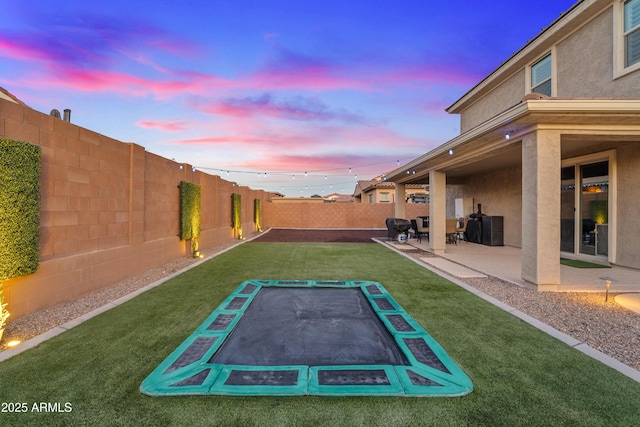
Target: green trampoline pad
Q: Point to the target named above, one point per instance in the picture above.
(309, 337)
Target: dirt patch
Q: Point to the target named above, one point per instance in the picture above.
(325, 235)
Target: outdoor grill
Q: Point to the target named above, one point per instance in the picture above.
(397, 226)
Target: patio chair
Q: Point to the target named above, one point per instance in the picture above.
(451, 231)
(461, 226)
(414, 227)
(421, 228)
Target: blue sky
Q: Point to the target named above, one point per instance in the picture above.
(261, 92)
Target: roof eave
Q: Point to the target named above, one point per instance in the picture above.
(506, 122)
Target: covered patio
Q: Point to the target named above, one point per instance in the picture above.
(530, 165)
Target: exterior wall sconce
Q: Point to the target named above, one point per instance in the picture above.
(451, 152)
(507, 136)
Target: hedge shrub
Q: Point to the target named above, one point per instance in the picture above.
(236, 214)
(189, 210)
(19, 208)
(256, 214)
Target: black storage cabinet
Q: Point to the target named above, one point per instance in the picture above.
(493, 230)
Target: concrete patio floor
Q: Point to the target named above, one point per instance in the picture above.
(505, 263)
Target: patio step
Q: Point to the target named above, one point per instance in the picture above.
(451, 268)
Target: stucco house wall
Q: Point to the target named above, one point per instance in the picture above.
(585, 63)
(584, 69)
(500, 194)
(377, 195)
(505, 95)
(628, 211)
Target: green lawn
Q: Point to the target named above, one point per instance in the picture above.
(521, 376)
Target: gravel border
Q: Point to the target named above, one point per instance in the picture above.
(605, 326)
(33, 325)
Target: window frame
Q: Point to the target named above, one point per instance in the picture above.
(553, 78)
(619, 42)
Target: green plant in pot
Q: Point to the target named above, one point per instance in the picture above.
(4, 314)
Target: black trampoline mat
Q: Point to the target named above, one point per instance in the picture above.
(313, 327)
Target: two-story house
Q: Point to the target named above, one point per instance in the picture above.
(550, 141)
(379, 190)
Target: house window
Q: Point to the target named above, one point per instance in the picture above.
(541, 76)
(631, 32)
(384, 197)
(371, 198)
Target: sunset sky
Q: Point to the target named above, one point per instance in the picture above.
(341, 90)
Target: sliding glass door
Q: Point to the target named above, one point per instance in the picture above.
(584, 208)
(594, 208)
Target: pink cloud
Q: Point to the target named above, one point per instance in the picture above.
(331, 164)
(82, 52)
(24, 49)
(90, 80)
(293, 108)
(224, 139)
(170, 126)
(305, 145)
(292, 70)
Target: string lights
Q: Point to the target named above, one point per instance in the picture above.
(310, 177)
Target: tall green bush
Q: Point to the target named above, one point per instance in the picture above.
(19, 208)
(189, 210)
(257, 214)
(236, 214)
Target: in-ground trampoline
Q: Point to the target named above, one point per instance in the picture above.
(307, 337)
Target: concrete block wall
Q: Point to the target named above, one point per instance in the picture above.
(109, 210)
(335, 215)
